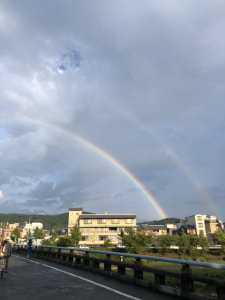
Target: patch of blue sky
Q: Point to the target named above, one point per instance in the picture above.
(3, 134)
(71, 59)
(62, 68)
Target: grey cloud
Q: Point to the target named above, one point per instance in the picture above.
(97, 89)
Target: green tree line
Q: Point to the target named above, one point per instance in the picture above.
(186, 244)
(49, 221)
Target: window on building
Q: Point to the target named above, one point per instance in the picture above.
(103, 238)
(113, 238)
(200, 225)
(113, 229)
(199, 218)
(101, 221)
(84, 238)
(115, 221)
(129, 221)
(87, 221)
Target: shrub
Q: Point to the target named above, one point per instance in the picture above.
(202, 259)
(129, 260)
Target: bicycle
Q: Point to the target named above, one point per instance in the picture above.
(2, 265)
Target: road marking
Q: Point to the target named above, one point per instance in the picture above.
(82, 278)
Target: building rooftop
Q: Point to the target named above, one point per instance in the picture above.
(107, 216)
(188, 226)
(76, 209)
(152, 227)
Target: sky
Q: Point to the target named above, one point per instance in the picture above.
(113, 106)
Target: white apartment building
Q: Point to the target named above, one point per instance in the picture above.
(31, 227)
(198, 221)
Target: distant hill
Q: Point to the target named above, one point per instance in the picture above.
(49, 221)
(162, 222)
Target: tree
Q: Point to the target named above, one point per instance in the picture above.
(54, 235)
(64, 241)
(164, 242)
(203, 241)
(28, 234)
(134, 240)
(15, 235)
(107, 243)
(127, 238)
(183, 242)
(220, 237)
(38, 233)
(143, 240)
(75, 235)
(192, 244)
(47, 243)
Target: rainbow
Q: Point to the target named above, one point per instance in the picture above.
(106, 156)
(168, 152)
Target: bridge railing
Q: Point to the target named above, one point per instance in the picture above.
(139, 272)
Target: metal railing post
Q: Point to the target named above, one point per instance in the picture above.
(86, 259)
(107, 264)
(186, 282)
(138, 272)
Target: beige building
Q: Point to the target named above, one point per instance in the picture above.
(171, 228)
(153, 230)
(96, 228)
(74, 213)
(6, 231)
(212, 224)
(207, 224)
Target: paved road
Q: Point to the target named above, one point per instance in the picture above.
(39, 280)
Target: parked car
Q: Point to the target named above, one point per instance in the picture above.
(120, 246)
(83, 247)
(215, 247)
(96, 246)
(174, 247)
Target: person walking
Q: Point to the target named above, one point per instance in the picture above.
(14, 247)
(6, 250)
(29, 248)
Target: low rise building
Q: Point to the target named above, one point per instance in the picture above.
(74, 213)
(171, 229)
(154, 230)
(6, 231)
(188, 229)
(205, 223)
(29, 228)
(198, 221)
(96, 228)
(212, 224)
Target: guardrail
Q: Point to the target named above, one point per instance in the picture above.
(114, 264)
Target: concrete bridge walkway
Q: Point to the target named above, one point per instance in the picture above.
(39, 280)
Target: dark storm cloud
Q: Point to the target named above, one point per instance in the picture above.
(142, 82)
